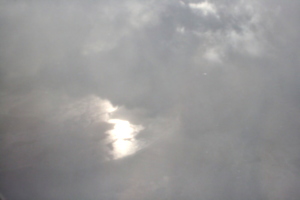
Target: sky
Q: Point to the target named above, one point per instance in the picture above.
(152, 99)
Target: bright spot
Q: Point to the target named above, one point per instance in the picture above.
(122, 129)
(205, 7)
(92, 110)
(213, 55)
(122, 138)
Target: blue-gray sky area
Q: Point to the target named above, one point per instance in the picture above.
(152, 99)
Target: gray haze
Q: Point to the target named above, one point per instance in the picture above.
(152, 99)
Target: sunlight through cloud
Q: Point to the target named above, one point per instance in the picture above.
(205, 7)
(123, 138)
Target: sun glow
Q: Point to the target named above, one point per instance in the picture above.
(122, 129)
(122, 137)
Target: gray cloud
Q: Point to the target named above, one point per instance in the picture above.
(208, 91)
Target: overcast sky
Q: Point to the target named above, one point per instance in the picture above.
(150, 99)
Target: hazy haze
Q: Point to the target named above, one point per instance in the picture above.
(152, 99)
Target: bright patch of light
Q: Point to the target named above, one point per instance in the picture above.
(122, 138)
(205, 7)
(109, 107)
(122, 129)
(92, 110)
(213, 55)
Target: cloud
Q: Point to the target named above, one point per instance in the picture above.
(149, 99)
(205, 7)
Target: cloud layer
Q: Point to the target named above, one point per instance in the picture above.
(149, 99)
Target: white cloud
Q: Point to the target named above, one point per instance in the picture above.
(246, 42)
(88, 110)
(205, 7)
(114, 22)
(213, 55)
(141, 14)
(242, 32)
